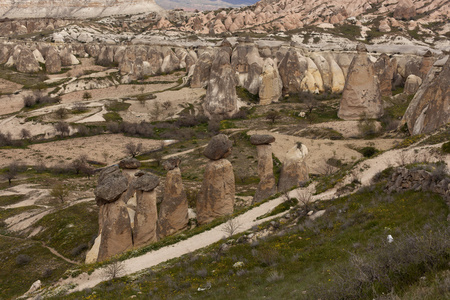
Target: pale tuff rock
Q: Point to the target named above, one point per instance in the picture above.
(202, 69)
(430, 107)
(111, 184)
(386, 71)
(145, 218)
(221, 98)
(412, 84)
(74, 9)
(173, 210)
(361, 95)
(292, 70)
(115, 230)
(337, 76)
(404, 10)
(24, 60)
(129, 163)
(271, 86)
(216, 197)
(267, 185)
(294, 170)
(53, 61)
(248, 64)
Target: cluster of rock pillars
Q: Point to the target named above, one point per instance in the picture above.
(129, 217)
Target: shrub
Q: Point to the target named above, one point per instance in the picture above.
(60, 192)
(273, 116)
(23, 259)
(63, 128)
(133, 149)
(368, 151)
(61, 113)
(79, 249)
(446, 147)
(29, 101)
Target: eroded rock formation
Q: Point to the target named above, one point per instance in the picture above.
(361, 95)
(294, 170)
(173, 211)
(267, 185)
(216, 197)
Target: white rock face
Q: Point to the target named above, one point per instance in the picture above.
(74, 9)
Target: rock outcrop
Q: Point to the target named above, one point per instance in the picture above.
(221, 98)
(219, 147)
(74, 9)
(386, 69)
(294, 170)
(173, 210)
(412, 84)
(267, 185)
(129, 163)
(361, 95)
(146, 214)
(216, 197)
(430, 107)
(270, 86)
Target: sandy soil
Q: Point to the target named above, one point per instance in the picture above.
(32, 194)
(64, 151)
(7, 86)
(346, 128)
(321, 150)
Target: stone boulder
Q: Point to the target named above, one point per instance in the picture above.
(271, 86)
(111, 184)
(173, 210)
(412, 84)
(262, 139)
(221, 98)
(216, 197)
(361, 96)
(218, 147)
(5, 52)
(53, 61)
(145, 181)
(115, 230)
(430, 107)
(129, 163)
(294, 170)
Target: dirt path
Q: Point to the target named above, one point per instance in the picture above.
(366, 170)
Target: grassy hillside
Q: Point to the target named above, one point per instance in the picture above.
(342, 255)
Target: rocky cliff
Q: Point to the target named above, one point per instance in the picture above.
(74, 9)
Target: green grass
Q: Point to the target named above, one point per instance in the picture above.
(16, 279)
(112, 117)
(245, 95)
(6, 213)
(302, 259)
(12, 199)
(67, 229)
(116, 106)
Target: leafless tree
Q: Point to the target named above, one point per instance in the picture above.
(166, 105)
(133, 149)
(62, 128)
(11, 172)
(25, 133)
(231, 226)
(60, 192)
(113, 270)
(273, 116)
(79, 163)
(304, 198)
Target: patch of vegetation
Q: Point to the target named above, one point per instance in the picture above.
(16, 275)
(112, 117)
(6, 213)
(116, 106)
(11, 199)
(446, 147)
(305, 259)
(368, 151)
(348, 31)
(67, 229)
(245, 95)
(321, 133)
(409, 141)
(442, 136)
(284, 206)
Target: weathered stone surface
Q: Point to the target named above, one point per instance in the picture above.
(262, 139)
(292, 70)
(145, 218)
(430, 107)
(24, 60)
(361, 95)
(386, 69)
(53, 61)
(216, 197)
(271, 86)
(145, 181)
(412, 84)
(221, 98)
(202, 69)
(74, 9)
(173, 210)
(129, 163)
(294, 170)
(267, 185)
(404, 10)
(111, 184)
(115, 230)
(218, 147)
(5, 52)
(171, 163)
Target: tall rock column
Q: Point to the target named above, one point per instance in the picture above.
(361, 95)
(271, 84)
(294, 170)
(267, 185)
(115, 234)
(216, 197)
(173, 211)
(146, 216)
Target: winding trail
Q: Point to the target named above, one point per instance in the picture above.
(364, 170)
